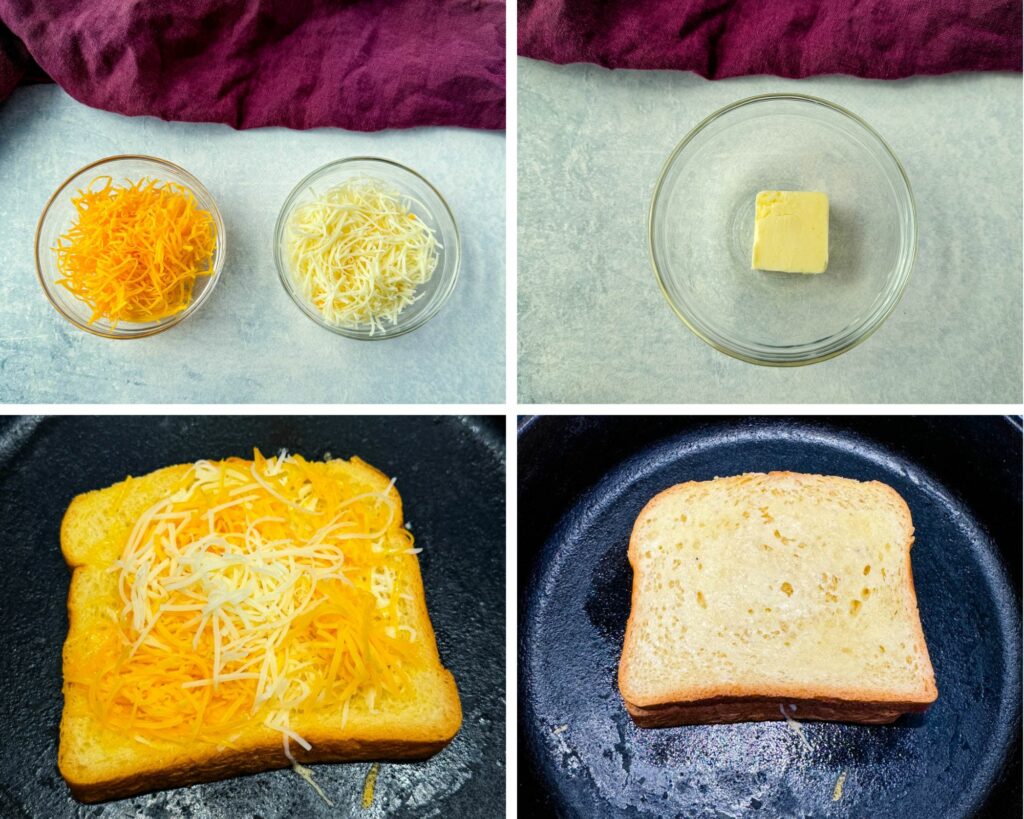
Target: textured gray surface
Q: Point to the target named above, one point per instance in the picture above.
(593, 326)
(249, 343)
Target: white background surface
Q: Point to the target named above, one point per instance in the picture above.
(249, 342)
(593, 325)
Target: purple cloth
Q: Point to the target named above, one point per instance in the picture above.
(13, 61)
(359, 64)
(883, 39)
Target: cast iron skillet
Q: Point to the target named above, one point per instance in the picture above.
(582, 483)
(450, 473)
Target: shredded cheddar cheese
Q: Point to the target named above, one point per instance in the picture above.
(251, 593)
(369, 784)
(357, 254)
(134, 251)
(837, 791)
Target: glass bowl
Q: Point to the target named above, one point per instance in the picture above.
(57, 218)
(701, 230)
(421, 198)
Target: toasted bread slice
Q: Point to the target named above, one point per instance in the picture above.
(764, 592)
(103, 761)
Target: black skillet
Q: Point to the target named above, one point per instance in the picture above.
(450, 472)
(582, 482)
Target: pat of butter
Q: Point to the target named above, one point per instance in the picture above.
(791, 231)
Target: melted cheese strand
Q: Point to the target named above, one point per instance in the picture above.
(358, 253)
(304, 772)
(798, 729)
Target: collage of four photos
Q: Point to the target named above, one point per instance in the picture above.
(484, 409)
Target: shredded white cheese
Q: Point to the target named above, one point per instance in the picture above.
(243, 588)
(358, 254)
(796, 726)
(304, 772)
(255, 592)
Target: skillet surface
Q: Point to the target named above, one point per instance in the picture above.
(450, 473)
(582, 483)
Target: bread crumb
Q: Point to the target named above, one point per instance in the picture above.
(558, 729)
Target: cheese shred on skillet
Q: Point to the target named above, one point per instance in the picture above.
(254, 591)
(358, 253)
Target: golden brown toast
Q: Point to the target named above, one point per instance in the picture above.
(763, 592)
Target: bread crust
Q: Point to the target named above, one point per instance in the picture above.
(248, 760)
(702, 704)
(258, 749)
(755, 709)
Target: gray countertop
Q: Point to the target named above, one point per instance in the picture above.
(593, 325)
(249, 342)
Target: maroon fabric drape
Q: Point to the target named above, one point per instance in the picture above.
(357, 64)
(883, 39)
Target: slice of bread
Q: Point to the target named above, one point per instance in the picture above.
(101, 761)
(762, 591)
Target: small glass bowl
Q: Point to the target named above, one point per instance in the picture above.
(701, 230)
(59, 214)
(423, 200)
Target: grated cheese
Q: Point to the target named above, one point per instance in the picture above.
(357, 253)
(253, 593)
(837, 792)
(134, 251)
(369, 784)
(305, 773)
(798, 729)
